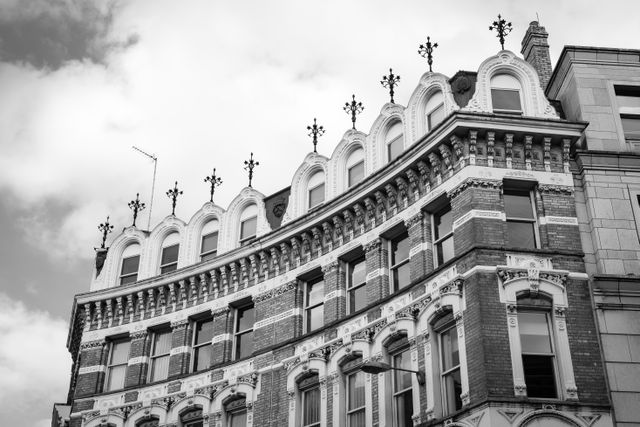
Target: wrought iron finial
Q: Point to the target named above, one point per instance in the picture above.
(316, 131)
(215, 181)
(426, 51)
(249, 165)
(353, 108)
(137, 207)
(502, 27)
(173, 194)
(390, 81)
(105, 228)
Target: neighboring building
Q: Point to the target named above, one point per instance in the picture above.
(447, 240)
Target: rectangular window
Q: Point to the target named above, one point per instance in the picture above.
(537, 354)
(628, 98)
(443, 236)
(356, 173)
(356, 289)
(402, 390)
(169, 260)
(314, 304)
(521, 219)
(160, 349)
(243, 331)
(506, 100)
(202, 336)
(316, 196)
(117, 366)
(399, 254)
(355, 400)
(129, 272)
(310, 391)
(209, 246)
(248, 230)
(435, 116)
(395, 147)
(450, 371)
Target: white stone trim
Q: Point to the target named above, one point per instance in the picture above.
(558, 220)
(92, 369)
(273, 319)
(220, 338)
(376, 273)
(137, 360)
(178, 350)
(478, 213)
(334, 294)
(424, 246)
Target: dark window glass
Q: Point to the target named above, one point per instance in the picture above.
(517, 204)
(631, 126)
(314, 304)
(129, 272)
(202, 345)
(521, 222)
(169, 259)
(537, 354)
(506, 100)
(209, 246)
(316, 195)
(395, 147)
(356, 173)
(628, 98)
(521, 234)
(160, 355)
(539, 376)
(443, 235)
(450, 370)
(311, 399)
(245, 318)
(400, 261)
(248, 229)
(402, 390)
(435, 116)
(357, 293)
(356, 400)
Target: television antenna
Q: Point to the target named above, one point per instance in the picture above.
(153, 182)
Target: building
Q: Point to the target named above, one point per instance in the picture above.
(460, 238)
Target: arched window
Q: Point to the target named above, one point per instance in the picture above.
(248, 224)
(310, 399)
(402, 381)
(130, 264)
(448, 363)
(236, 412)
(394, 141)
(209, 242)
(434, 110)
(192, 418)
(170, 249)
(355, 392)
(355, 167)
(148, 422)
(505, 94)
(315, 189)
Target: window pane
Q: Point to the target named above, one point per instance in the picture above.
(521, 234)
(162, 343)
(404, 408)
(395, 148)
(130, 265)
(445, 250)
(246, 318)
(356, 174)
(357, 419)
(316, 196)
(204, 332)
(402, 379)
(628, 101)
(244, 345)
(358, 271)
(168, 268)
(160, 368)
(443, 223)
(169, 254)
(631, 126)
(116, 377)
(400, 248)
(248, 228)
(202, 357)
(311, 407)
(435, 116)
(315, 317)
(506, 99)
(539, 376)
(128, 279)
(450, 353)
(518, 205)
(120, 352)
(238, 419)
(453, 389)
(401, 276)
(356, 390)
(209, 256)
(315, 292)
(209, 242)
(534, 332)
(357, 299)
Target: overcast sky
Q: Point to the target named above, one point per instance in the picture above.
(200, 84)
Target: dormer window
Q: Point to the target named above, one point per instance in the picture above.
(209, 242)
(394, 141)
(316, 189)
(434, 110)
(505, 94)
(130, 264)
(248, 224)
(355, 167)
(170, 249)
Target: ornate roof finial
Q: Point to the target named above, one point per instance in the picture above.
(426, 51)
(502, 27)
(215, 181)
(249, 165)
(353, 108)
(105, 228)
(137, 207)
(316, 131)
(390, 81)
(173, 194)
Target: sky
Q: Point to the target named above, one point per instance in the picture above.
(200, 84)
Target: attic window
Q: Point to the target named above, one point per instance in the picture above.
(505, 94)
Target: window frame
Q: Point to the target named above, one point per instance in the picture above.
(195, 348)
(169, 266)
(154, 357)
(238, 334)
(352, 288)
(125, 276)
(208, 255)
(243, 241)
(348, 374)
(630, 91)
(234, 408)
(450, 327)
(404, 351)
(394, 142)
(310, 190)
(307, 307)
(533, 221)
(306, 385)
(522, 309)
(430, 114)
(439, 241)
(110, 365)
(352, 167)
(394, 267)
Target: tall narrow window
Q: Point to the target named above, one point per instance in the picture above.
(399, 261)
(248, 224)
(628, 98)
(356, 400)
(443, 236)
(434, 110)
(160, 351)
(356, 289)
(402, 390)
(117, 366)
(236, 413)
(355, 167)
(209, 243)
(537, 353)
(310, 394)
(316, 190)
(243, 331)
(130, 264)
(394, 141)
(202, 336)
(505, 94)
(170, 249)
(521, 219)
(314, 304)
(450, 370)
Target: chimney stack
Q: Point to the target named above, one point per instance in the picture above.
(535, 50)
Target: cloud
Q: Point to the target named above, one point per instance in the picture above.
(34, 363)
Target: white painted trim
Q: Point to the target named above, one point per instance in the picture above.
(558, 220)
(478, 213)
(178, 350)
(92, 369)
(273, 319)
(137, 360)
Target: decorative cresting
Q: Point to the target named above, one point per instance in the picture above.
(313, 163)
(536, 275)
(390, 82)
(353, 108)
(426, 51)
(535, 103)
(136, 206)
(105, 228)
(173, 194)
(249, 165)
(214, 181)
(503, 28)
(314, 132)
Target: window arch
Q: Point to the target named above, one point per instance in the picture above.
(434, 110)
(248, 224)
(309, 399)
(169, 255)
(236, 412)
(399, 385)
(355, 391)
(192, 418)
(315, 189)
(151, 421)
(506, 94)
(209, 240)
(355, 167)
(130, 264)
(394, 140)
